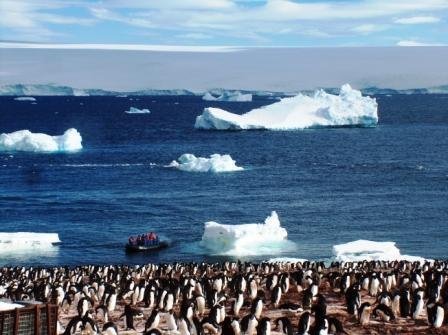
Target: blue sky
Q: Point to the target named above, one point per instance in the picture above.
(292, 23)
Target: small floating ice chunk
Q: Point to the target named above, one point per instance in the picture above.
(24, 140)
(255, 239)
(27, 240)
(361, 250)
(134, 110)
(231, 96)
(216, 163)
(349, 108)
(25, 99)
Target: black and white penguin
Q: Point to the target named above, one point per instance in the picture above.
(226, 327)
(249, 324)
(405, 303)
(436, 314)
(384, 312)
(129, 313)
(153, 320)
(304, 323)
(170, 319)
(335, 326)
(321, 326)
(257, 307)
(395, 306)
(364, 314)
(276, 295)
(109, 328)
(209, 326)
(264, 327)
(104, 311)
(417, 303)
(238, 303)
(291, 307)
(284, 325)
(154, 331)
(307, 299)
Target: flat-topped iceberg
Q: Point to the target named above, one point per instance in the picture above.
(255, 239)
(361, 250)
(134, 110)
(230, 96)
(216, 163)
(27, 240)
(24, 140)
(348, 109)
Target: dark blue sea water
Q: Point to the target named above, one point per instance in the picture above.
(329, 186)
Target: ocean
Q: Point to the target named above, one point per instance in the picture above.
(329, 185)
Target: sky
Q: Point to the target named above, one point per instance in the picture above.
(236, 23)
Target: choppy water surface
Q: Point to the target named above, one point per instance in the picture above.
(329, 186)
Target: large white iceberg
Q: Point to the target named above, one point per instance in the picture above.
(361, 250)
(26, 240)
(349, 108)
(255, 239)
(24, 140)
(134, 110)
(231, 96)
(216, 163)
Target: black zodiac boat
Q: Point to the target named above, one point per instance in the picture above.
(145, 242)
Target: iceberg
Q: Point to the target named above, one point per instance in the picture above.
(231, 96)
(134, 110)
(24, 140)
(361, 250)
(25, 99)
(255, 239)
(27, 240)
(349, 108)
(216, 163)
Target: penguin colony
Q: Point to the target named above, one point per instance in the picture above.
(240, 298)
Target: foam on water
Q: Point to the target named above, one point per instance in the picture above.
(228, 96)
(26, 240)
(216, 163)
(25, 140)
(256, 239)
(349, 108)
(134, 110)
(361, 250)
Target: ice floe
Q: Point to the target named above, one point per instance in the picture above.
(255, 239)
(25, 99)
(216, 163)
(27, 240)
(349, 108)
(134, 110)
(25, 140)
(231, 96)
(361, 250)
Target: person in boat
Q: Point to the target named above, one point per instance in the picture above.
(132, 240)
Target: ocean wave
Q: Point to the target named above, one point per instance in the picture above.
(24, 140)
(256, 239)
(349, 108)
(361, 250)
(216, 163)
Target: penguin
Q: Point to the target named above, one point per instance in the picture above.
(209, 326)
(109, 328)
(276, 294)
(257, 307)
(291, 307)
(335, 326)
(307, 299)
(226, 327)
(436, 314)
(249, 324)
(405, 303)
(104, 311)
(171, 320)
(111, 300)
(364, 314)
(264, 327)
(183, 326)
(385, 298)
(284, 325)
(153, 320)
(154, 331)
(417, 303)
(395, 306)
(384, 312)
(304, 323)
(321, 326)
(129, 313)
(238, 303)
(200, 304)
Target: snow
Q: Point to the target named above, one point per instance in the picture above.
(25, 99)
(246, 239)
(134, 110)
(6, 306)
(231, 96)
(27, 240)
(25, 140)
(216, 163)
(287, 260)
(361, 250)
(349, 108)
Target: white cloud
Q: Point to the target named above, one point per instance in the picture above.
(412, 43)
(418, 20)
(369, 28)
